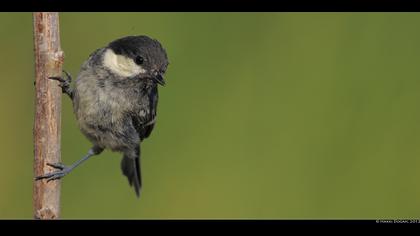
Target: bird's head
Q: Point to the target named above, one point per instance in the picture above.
(137, 57)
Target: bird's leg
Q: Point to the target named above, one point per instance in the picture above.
(65, 84)
(64, 170)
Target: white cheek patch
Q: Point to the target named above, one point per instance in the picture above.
(121, 65)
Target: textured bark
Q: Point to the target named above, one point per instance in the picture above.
(47, 125)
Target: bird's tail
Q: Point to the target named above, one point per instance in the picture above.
(131, 168)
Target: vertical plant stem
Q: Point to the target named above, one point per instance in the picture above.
(47, 125)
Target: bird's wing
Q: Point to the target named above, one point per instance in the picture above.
(145, 124)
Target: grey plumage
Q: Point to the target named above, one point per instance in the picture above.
(115, 99)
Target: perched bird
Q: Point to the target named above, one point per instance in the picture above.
(115, 100)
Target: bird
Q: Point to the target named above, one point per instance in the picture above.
(115, 98)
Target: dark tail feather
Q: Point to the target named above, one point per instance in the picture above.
(131, 168)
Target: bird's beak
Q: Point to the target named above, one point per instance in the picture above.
(159, 79)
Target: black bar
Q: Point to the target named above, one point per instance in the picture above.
(213, 6)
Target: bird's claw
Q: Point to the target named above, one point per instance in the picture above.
(59, 166)
(64, 83)
(63, 170)
(67, 75)
(62, 80)
(59, 79)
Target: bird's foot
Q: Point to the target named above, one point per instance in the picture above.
(64, 83)
(63, 170)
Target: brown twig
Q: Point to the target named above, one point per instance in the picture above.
(47, 125)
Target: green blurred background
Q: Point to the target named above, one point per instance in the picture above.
(265, 115)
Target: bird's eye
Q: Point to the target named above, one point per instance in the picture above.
(139, 60)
